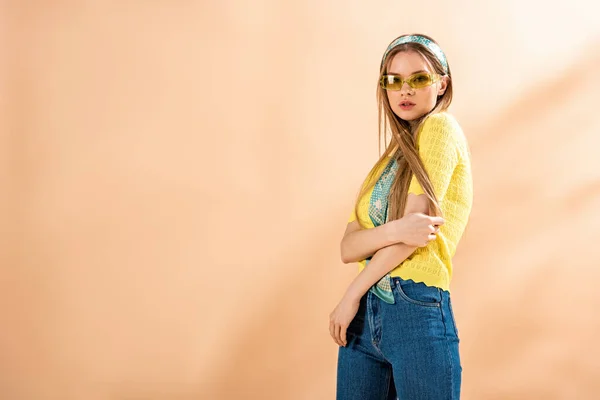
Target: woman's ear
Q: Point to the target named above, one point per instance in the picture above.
(443, 85)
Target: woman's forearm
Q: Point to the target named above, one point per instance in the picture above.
(363, 243)
(382, 262)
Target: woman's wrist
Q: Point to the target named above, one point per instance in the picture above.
(394, 231)
(354, 291)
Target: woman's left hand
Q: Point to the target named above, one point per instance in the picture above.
(340, 318)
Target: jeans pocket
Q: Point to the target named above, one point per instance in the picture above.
(418, 293)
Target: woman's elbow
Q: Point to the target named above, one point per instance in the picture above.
(344, 256)
(346, 260)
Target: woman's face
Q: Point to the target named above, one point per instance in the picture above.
(408, 103)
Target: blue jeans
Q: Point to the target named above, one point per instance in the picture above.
(407, 350)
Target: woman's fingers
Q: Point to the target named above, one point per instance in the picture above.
(332, 328)
(430, 237)
(436, 220)
(343, 335)
(338, 340)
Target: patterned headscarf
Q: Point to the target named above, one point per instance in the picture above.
(432, 46)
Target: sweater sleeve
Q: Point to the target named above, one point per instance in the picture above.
(438, 149)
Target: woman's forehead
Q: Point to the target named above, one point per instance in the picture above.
(408, 62)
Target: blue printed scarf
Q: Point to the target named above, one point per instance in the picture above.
(378, 212)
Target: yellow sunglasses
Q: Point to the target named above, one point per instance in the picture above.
(415, 81)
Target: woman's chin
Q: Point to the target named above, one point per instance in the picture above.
(407, 116)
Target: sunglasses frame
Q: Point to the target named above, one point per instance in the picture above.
(433, 76)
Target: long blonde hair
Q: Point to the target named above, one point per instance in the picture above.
(402, 141)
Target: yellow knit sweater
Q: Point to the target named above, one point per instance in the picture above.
(445, 153)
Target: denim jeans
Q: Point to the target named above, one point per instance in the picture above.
(407, 350)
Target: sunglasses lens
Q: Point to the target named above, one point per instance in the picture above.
(391, 82)
(420, 80)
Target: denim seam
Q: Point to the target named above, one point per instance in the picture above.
(453, 317)
(451, 375)
(371, 325)
(449, 354)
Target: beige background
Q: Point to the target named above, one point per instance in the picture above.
(176, 177)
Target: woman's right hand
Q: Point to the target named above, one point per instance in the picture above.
(416, 229)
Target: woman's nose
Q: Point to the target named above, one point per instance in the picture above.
(405, 89)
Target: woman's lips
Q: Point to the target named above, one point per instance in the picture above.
(407, 105)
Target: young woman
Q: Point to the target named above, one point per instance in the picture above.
(395, 325)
